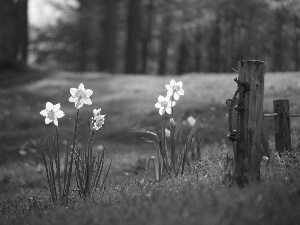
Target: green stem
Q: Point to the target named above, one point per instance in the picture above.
(58, 162)
(90, 149)
(172, 111)
(72, 156)
(164, 139)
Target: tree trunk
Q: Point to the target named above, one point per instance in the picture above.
(164, 45)
(278, 42)
(83, 35)
(107, 52)
(7, 34)
(297, 43)
(197, 49)
(215, 46)
(22, 30)
(183, 56)
(147, 36)
(133, 38)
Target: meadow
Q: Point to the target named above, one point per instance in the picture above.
(131, 195)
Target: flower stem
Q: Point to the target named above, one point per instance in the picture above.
(90, 149)
(172, 111)
(58, 162)
(72, 156)
(164, 138)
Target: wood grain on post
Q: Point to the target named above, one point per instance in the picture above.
(282, 125)
(234, 122)
(247, 167)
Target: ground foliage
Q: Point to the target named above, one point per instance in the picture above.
(131, 196)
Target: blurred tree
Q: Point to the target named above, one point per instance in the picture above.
(215, 44)
(133, 36)
(22, 30)
(279, 42)
(7, 34)
(183, 58)
(164, 39)
(297, 42)
(13, 33)
(84, 21)
(169, 36)
(107, 52)
(147, 33)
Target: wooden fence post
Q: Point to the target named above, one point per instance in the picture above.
(248, 157)
(282, 125)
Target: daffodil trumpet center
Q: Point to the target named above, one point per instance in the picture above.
(51, 115)
(80, 94)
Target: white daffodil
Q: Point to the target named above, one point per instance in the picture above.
(191, 121)
(52, 113)
(98, 119)
(164, 104)
(175, 89)
(80, 96)
(96, 112)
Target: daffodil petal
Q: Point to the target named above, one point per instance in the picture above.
(73, 99)
(55, 122)
(181, 92)
(81, 86)
(157, 105)
(73, 91)
(88, 92)
(59, 114)
(168, 110)
(180, 84)
(160, 98)
(96, 111)
(56, 107)
(49, 106)
(171, 104)
(47, 120)
(44, 113)
(87, 101)
(161, 111)
(172, 82)
(78, 104)
(169, 87)
(170, 92)
(176, 96)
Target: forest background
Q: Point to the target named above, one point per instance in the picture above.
(151, 36)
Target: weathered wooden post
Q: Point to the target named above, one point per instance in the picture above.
(282, 125)
(248, 145)
(234, 122)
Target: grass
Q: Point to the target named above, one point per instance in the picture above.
(131, 196)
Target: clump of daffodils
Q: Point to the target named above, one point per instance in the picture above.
(87, 182)
(170, 158)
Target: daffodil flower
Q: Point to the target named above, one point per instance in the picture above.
(52, 113)
(191, 121)
(175, 89)
(164, 104)
(98, 119)
(80, 96)
(96, 112)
